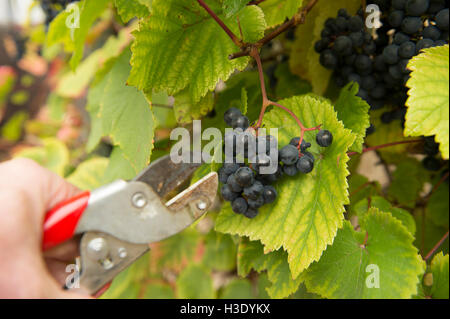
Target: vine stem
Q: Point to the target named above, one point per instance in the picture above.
(219, 21)
(373, 148)
(298, 18)
(266, 102)
(436, 247)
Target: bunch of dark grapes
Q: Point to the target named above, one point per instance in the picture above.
(246, 185)
(378, 61)
(51, 8)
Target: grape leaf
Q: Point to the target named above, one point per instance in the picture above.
(238, 289)
(231, 7)
(181, 46)
(289, 84)
(309, 208)
(407, 182)
(277, 11)
(158, 291)
(129, 9)
(438, 206)
(439, 269)
(251, 256)
(119, 167)
(195, 282)
(359, 189)
(343, 270)
(220, 252)
(187, 110)
(124, 113)
(382, 204)
(304, 60)
(353, 111)
(90, 11)
(53, 155)
(428, 101)
(89, 173)
(428, 233)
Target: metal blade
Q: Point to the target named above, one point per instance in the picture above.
(163, 175)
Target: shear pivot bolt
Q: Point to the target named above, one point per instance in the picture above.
(122, 252)
(139, 200)
(98, 248)
(201, 205)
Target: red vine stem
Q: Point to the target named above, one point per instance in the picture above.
(230, 33)
(373, 148)
(436, 247)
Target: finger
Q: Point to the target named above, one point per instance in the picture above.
(65, 252)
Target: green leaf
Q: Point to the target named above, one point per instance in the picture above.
(353, 111)
(187, 110)
(220, 252)
(90, 11)
(382, 204)
(13, 128)
(304, 60)
(343, 270)
(231, 7)
(158, 291)
(251, 256)
(195, 282)
(359, 189)
(53, 155)
(128, 9)
(238, 289)
(179, 249)
(125, 115)
(428, 233)
(439, 269)
(428, 102)
(309, 208)
(407, 182)
(438, 206)
(182, 47)
(289, 84)
(118, 168)
(89, 174)
(276, 11)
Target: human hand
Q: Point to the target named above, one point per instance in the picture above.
(27, 192)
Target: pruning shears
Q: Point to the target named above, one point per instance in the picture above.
(117, 222)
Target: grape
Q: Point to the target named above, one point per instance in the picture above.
(223, 177)
(350, 59)
(321, 45)
(403, 65)
(363, 94)
(400, 38)
(431, 32)
(342, 24)
(233, 184)
(368, 82)
(363, 62)
(240, 122)
(436, 6)
(431, 163)
(324, 138)
(269, 194)
(387, 117)
(305, 165)
(395, 18)
(357, 38)
(399, 4)
(407, 50)
(231, 114)
(343, 13)
(251, 213)
(354, 78)
(230, 168)
(342, 43)
(228, 194)
(370, 48)
(417, 7)
(378, 92)
(442, 19)
(390, 54)
(411, 25)
(254, 191)
(289, 154)
(328, 59)
(396, 72)
(355, 24)
(244, 176)
(239, 205)
(423, 44)
(370, 130)
(256, 203)
(379, 64)
(290, 170)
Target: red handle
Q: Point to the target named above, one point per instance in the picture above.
(60, 222)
